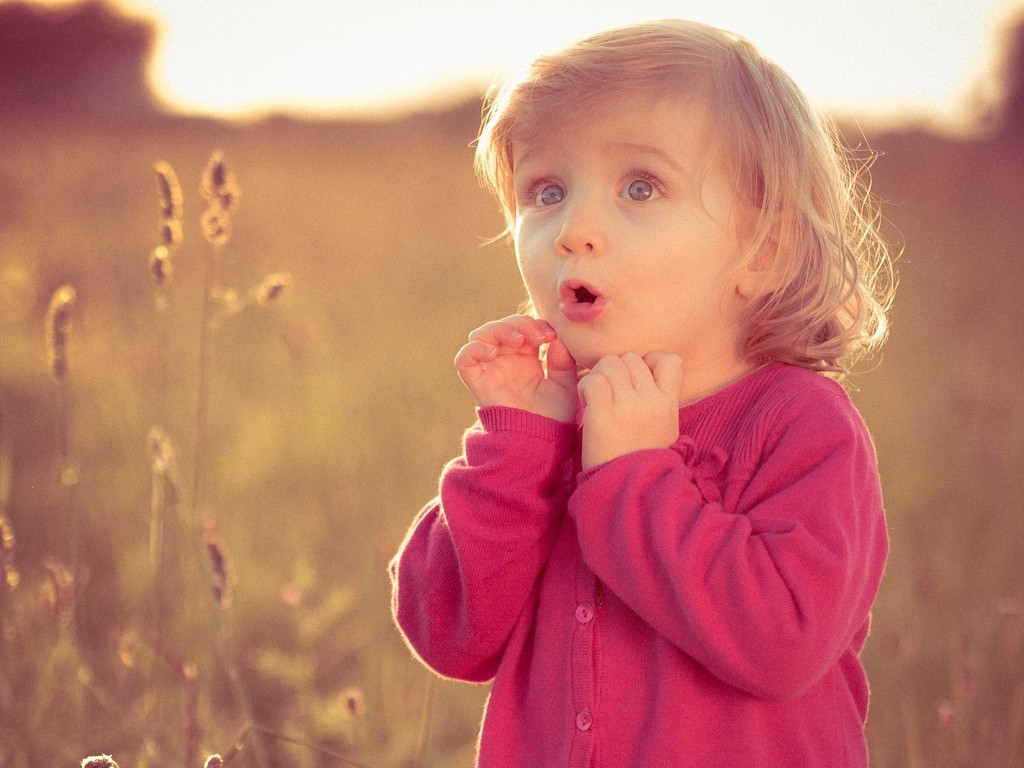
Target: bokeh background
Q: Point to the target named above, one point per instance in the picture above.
(329, 412)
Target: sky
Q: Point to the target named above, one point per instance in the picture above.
(245, 57)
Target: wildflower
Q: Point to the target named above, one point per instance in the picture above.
(99, 761)
(58, 327)
(272, 288)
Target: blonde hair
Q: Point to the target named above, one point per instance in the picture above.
(831, 273)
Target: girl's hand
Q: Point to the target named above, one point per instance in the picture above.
(630, 404)
(501, 366)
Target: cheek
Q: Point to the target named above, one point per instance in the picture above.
(538, 275)
(537, 287)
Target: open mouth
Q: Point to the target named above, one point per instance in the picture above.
(581, 303)
(583, 295)
(578, 292)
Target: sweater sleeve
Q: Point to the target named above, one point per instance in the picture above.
(471, 561)
(768, 585)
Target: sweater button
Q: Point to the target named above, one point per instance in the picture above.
(584, 613)
(584, 720)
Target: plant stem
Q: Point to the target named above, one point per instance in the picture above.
(252, 727)
(224, 641)
(428, 712)
(201, 445)
(69, 479)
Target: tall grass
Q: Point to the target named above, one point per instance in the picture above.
(188, 657)
(58, 332)
(329, 414)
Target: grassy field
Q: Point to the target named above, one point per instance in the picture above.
(330, 413)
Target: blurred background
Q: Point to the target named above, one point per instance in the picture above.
(160, 614)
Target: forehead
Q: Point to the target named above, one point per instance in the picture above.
(679, 124)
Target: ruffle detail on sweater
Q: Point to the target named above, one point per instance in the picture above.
(704, 468)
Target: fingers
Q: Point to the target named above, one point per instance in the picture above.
(667, 371)
(613, 378)
(513, 335)
(475, 353)
(503, 364)
(561, 365)
(514, 332)
(631, 403)
(594, 391)
(517, 334)
(639, 374)
(622, 375)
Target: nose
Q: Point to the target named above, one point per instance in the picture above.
(581, 233)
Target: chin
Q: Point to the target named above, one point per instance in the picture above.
(587, 355)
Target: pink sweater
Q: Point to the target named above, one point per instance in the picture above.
(700, 605)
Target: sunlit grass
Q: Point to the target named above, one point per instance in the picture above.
(329, 413)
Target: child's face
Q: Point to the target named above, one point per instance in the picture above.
(629, 234)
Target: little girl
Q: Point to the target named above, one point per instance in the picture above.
(665, 533)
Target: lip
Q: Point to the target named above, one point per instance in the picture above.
(575, 310)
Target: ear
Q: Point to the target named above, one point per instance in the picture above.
(759, 275)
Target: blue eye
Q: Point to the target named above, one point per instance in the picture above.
(640, 190)
(549, 194)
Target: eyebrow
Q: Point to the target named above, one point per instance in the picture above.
(628, 146)
(647, 149)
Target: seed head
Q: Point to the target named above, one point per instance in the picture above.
(169, 196)
(353, 703)
(226, 300)
(8, 570)
(160, 266)
(272, 288)
(99, 761)
(58, 591)
(58, 328)
(127, 645)
(219, 186)
(170, 232)
(223, 577)
(216, 225)
(160, 450)
(165, 476)
(168, 191)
